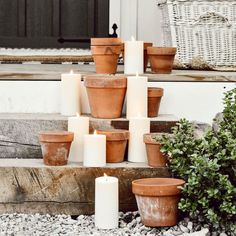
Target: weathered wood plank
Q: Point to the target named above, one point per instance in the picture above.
(28, 186)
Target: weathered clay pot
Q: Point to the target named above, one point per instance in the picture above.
(154, 100)
(106, 95)
(145, 55)
(55, 147)
(116, 142)
(161, 59)
(154, 155)
(157, 200)
(106, 53)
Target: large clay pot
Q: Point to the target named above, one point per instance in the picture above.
(154, 100)
(116, 142)
(106, 53)
(161, 59)
(155, 157)
(55, 147)
(157, 200)
(106, 95)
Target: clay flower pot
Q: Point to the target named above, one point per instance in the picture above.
(157, 200)
(161, 59)
(154, 155)
(116, 142)
(154, 100)
(55, 147)
(106, 95)
(106, 53)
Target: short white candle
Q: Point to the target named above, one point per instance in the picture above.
(138, 126)
(133, 60)
(79, 125)
(106, 202)
(94, 150)
(137, 97)
(70, 94)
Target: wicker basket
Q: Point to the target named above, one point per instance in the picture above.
(203, 31)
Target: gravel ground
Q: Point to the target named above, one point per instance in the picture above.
(130, 225)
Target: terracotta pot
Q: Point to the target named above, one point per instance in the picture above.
(106, 95)
(154, 155)
(116, 142)
(106, 58)
(105, 41)
(55, 147)
(157, 200)
(161, 59)
(154, 100)
(145, 55)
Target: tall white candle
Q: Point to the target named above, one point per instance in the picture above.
(106, 202)
(70, 94)
(94, 150)
(133, 60)
(137, 97)
(79, 125)
(138, 126)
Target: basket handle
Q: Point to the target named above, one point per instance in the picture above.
(211, 15)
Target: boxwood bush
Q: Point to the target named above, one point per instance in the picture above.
(208, 165)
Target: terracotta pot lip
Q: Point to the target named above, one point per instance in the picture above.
(115, 134)
(56, 136)
(155, 92)
(106, 50)
(105, 82)
(147, 44)
(148, 139)
(161, 50)
(106, 41)
(157, 186)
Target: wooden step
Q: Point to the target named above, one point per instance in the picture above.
(28, 186)
(19, 132)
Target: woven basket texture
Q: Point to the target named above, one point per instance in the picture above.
(205, 30)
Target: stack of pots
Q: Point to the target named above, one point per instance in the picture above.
(106, 52)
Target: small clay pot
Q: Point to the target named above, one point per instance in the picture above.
(161, 59)
(157, 200)
(55, 147)
(106, 95)
(105, 41)
(106, 58)
(145, 55)
(116, 142)
(155, 157)
(154, 100)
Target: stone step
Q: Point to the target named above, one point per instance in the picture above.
(19, 132)
(28, 186)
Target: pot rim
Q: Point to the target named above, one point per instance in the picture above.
(161, 51)
(115, 134)
(106, 50)
(157, 186)
(56, 136)
(115, 82)
(106, 41)
(155, 92)
(148, 139)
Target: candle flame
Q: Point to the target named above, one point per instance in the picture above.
(95, 132)
(137, 74)
(105, 175)
(71, 72)
(132, 38)
(77, 114)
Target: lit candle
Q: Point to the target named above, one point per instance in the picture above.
(137, 97)
(79, 125)
(133, 57)
(94, 150)
(138, 126)
(70, 94)
(106, 202)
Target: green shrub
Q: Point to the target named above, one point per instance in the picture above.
(209, 167)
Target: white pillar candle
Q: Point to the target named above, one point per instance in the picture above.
(94, 150)
(133, 60)
(106, 202)
(70, 94)
(79, 125)
(138, 126)
(137, 97)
